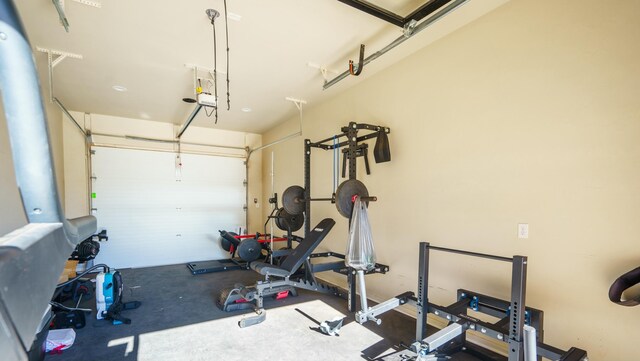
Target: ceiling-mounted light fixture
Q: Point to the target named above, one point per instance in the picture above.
(246, 109)
(119, 88)
(212, 14)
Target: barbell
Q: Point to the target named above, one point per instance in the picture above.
(294, 202)
(247, 247)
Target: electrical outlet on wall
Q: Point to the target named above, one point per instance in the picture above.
(523, 230)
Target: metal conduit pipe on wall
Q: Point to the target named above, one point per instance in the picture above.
(168, 141)
(298, 103)
(66, 112)
(119, 146)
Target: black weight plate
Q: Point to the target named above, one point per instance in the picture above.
(284, 220)
(289, 198)
(224, 243)
(295, 221)
(281, 215)
(249, 249)
(344, 195)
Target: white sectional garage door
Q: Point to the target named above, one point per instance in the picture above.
(155, 216)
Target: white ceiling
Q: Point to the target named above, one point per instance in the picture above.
(144, 45)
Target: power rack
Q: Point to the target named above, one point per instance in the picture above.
(352, 148)
(512, 317)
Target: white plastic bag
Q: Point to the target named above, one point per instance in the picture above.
(58, 340)
(360, 252)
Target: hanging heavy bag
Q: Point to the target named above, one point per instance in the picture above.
(360, 253)
(382, 150)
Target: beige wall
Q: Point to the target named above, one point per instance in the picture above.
(75, 154)
(528, 115)
(11, 213)
(75, 168)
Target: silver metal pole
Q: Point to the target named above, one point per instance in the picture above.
(272, 192)
(277, 141)
(88, 162)
(530, 343)
(190, 119)
(246, 192)
(66, 112)
(118, 146)
(158, 140)
(298, 104)
(363, 291)
(423, 25)
(27, 127)
(145, 139)
(442, 336)
(215, 145)
(50, 67)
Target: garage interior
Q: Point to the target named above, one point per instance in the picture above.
(408, 175)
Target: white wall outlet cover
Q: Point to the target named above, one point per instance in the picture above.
(523, 230)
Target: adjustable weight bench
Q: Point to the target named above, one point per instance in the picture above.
(244, 297)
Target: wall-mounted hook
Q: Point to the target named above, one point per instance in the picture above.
(357, 71)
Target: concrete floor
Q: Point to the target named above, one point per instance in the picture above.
(179, 320)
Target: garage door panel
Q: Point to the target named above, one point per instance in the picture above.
(157, 216)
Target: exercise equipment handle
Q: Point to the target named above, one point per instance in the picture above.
(367, 199)
(474, 254)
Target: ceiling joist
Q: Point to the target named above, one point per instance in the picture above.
(418, 14)
(411, 29)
